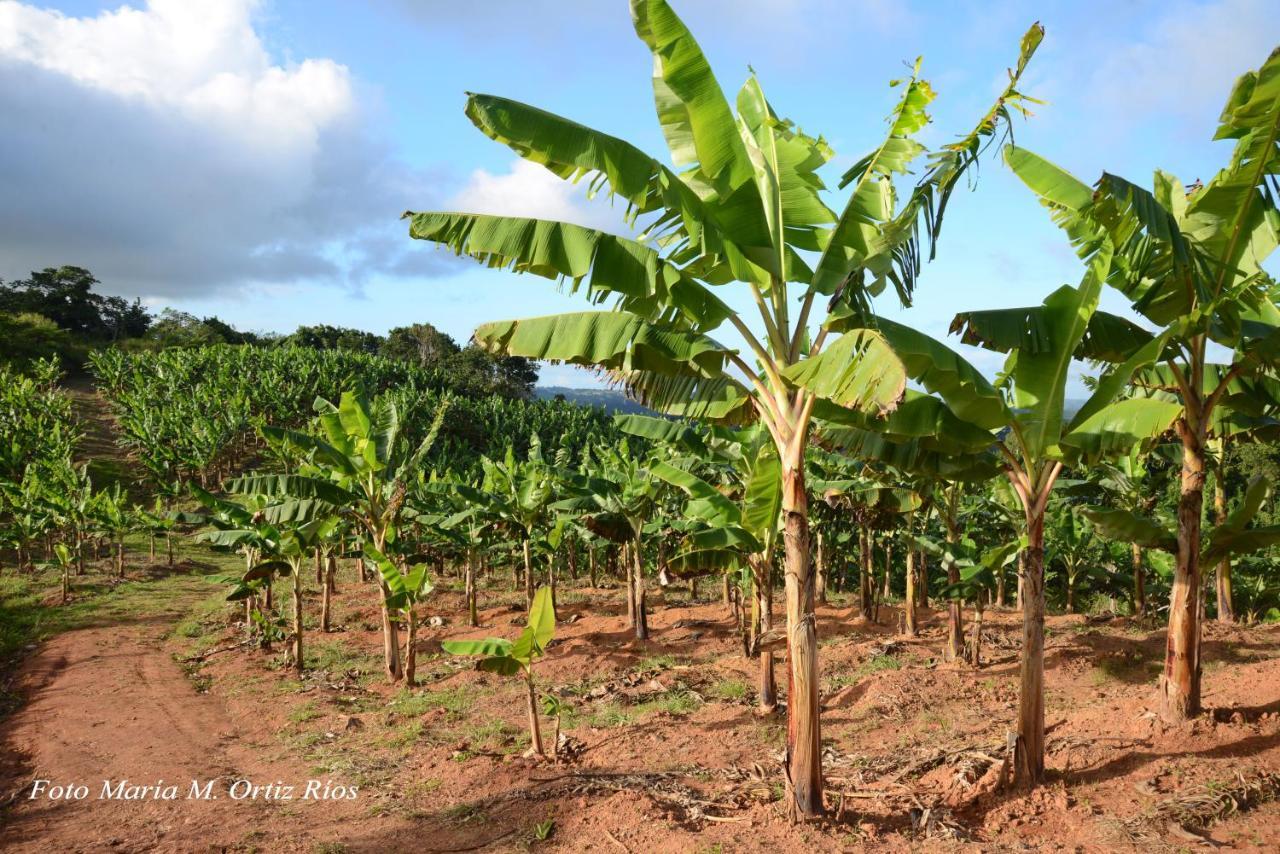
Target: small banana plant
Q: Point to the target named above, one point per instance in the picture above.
(62, 561)
(507, 659)
(554, 707)
(404, 590)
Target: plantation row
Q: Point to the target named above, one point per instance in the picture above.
(193, 414)
(48, 505)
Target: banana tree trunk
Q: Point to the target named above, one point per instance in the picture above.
(637, 568)
(865, 575)
(909, 600)
(531, 700)
(327, 587)
(804, 726)
(886, 591)
(473, 616)
(1028, 766)
(764, 624)
(975, 638)
(955, 617)
(591, 566)
(528, 574)
(1000, 586)
(1180, 682)
(1139, 583)
(410, 646)
(1222, 575)
(297, 615)
(1022, 573)
(820, 565)
(631, 589)
(390, 637)
(922, 567)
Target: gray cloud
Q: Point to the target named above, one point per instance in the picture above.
(184, 192)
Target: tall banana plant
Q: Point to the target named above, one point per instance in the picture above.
(1026, 425)
(746, 208)
(1189, 258)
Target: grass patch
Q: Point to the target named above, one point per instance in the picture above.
(665, 661)
(877, 663)
(612, 715)
(729, 690)
(456, 702)
(337, 657)
(464, 814)
(405, 735)
(1131, 667)
(677, 702)
(305, 712)
(496, 736)
(874, 664)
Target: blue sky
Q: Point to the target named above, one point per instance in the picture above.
(250, 159)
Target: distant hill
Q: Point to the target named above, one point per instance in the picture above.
(611, 399)
(615, 401)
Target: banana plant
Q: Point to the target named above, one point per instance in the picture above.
(1190, 260)
(1074, 548)
(735, 525)
(241, 526)
(1024, 418)
(408, 588)
(1124, 484)
(617, 496)
(298, 535)
(112, 516)
(508, 659)
(745, 207)
(975, 579)
(872, 502)
(63, 561)
(360, 468)
(522, 493)
(28, 516)
(1235, 535)
(69, 494)
(461, 514)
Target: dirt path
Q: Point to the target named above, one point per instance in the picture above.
(108, 462)
(110, 704)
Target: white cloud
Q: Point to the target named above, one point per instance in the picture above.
(1186, 63)
(528, 189)
(163, 148)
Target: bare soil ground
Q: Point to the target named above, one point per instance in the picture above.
(667, 750)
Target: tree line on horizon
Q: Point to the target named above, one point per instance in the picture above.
(57, 312)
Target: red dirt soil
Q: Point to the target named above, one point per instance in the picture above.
(672, 756)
